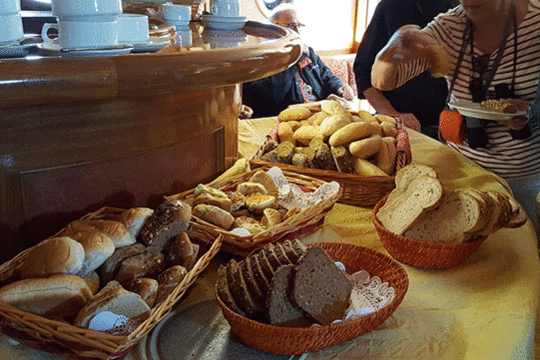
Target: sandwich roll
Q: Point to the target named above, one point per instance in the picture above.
(332, 107)
(333, 123)
(58, 255)
(285, 132)
(295, 113)
(366, 148)
(56, 296)
(115, 230)
(214, 215)
(366, 168)
(351, 132)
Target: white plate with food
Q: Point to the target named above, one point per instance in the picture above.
(475, 110)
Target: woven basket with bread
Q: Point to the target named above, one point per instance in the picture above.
(98, 286)
(360, 151)
(421, 223)
(247, 211)
(290, 298)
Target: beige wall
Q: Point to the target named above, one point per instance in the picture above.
(250, 9)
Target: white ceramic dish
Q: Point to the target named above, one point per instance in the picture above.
(55, 50)
(215, 18)
(151, 45)
(221, 23)
(468, 108)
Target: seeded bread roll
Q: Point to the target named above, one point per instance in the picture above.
(146, 288)
(58, 255)
(214, 215)
(171, 218)
(181, 251)
(320, 288)
(56, 296)
(149, 264)
(168, 280)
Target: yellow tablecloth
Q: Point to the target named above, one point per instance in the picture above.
(486, 308)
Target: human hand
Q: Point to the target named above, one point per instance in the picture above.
(409, 120)
(408, 43)
(346, 92)
(245, 113)
(516, 123)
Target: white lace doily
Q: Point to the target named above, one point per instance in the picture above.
(368, 295)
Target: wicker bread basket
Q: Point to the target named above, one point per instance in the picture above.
(298, 225)
(358, 190)
(424, 254)
(296, 340)
(73, 342)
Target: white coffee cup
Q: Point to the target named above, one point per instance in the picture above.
(82, 34)
(225, 8)
(133, 28)
(86, 10)
(10, 7)
(173, 12)
(11, 28)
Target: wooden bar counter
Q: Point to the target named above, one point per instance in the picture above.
(79, 133)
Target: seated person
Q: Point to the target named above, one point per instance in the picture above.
(307, 80)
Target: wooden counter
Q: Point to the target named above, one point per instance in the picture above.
(80, 133)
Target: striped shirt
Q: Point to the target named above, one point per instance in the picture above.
(505, 156)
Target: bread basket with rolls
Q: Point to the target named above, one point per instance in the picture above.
(98, 286)
(359, 150)
(248, 213)
(317, 287)
(423, 224)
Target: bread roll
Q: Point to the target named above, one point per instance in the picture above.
(333, 123)
(181, 251)
(224, 203)
(109, 268)
(317, 118)
(388, 129)
(206, 189)
(271, 217)
(263, 178)
(168, 280)
(332, 107)
(115, 230)
(146, 288)
(351, 132)
(97, 248)
(149, 263)
(214, 215)
(298, 113)
(366, 116)
(114, 298)
(135, 218)
(92, 280)
(367, 147)
(285, 132)
(56, 296)
(249, 188)
(380, 118)
(305, 134)
(58, 255)
(366, 168)
(257, 203)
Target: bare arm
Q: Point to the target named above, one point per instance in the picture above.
(381, 104)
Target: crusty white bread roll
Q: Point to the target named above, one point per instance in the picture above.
(209, 199)
(58, 255)
(214, 215)
(248, 188)
(56, 296)
(115, 230)
(97, 248)
(135, 218)
(114, 298)
(265, 180)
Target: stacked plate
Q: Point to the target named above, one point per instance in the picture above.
(223, 23)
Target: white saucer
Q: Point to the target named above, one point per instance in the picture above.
(212, 17)
(474, 110)
(56, 50)
(151, 45)
(19, 48)
(178, 22)
(222, 23)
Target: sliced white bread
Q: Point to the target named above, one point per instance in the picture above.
(406, 175)
(487, 204)
(451, 222)
(423, 193)
(519, 216)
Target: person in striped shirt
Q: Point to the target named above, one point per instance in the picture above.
(494, 46)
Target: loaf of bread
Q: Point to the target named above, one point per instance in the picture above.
(57, 255)
(56, 296)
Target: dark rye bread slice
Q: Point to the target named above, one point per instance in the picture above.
(282, 255)
(265, 266)
(224, 292)
(240, 292)
(272, 257)
(294, 250)
(281, 311)
(320, 288)
(252, 280)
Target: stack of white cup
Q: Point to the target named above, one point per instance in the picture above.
(94, 24)
(11, 28)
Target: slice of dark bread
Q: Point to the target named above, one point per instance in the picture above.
(239, 290)
(294, 250)
(224, 292)
(282, 255)
(320, 288)
(281, 311)
(252, 281)
(272, 257)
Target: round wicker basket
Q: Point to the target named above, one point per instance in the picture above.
(424, 254)
(293, 340)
